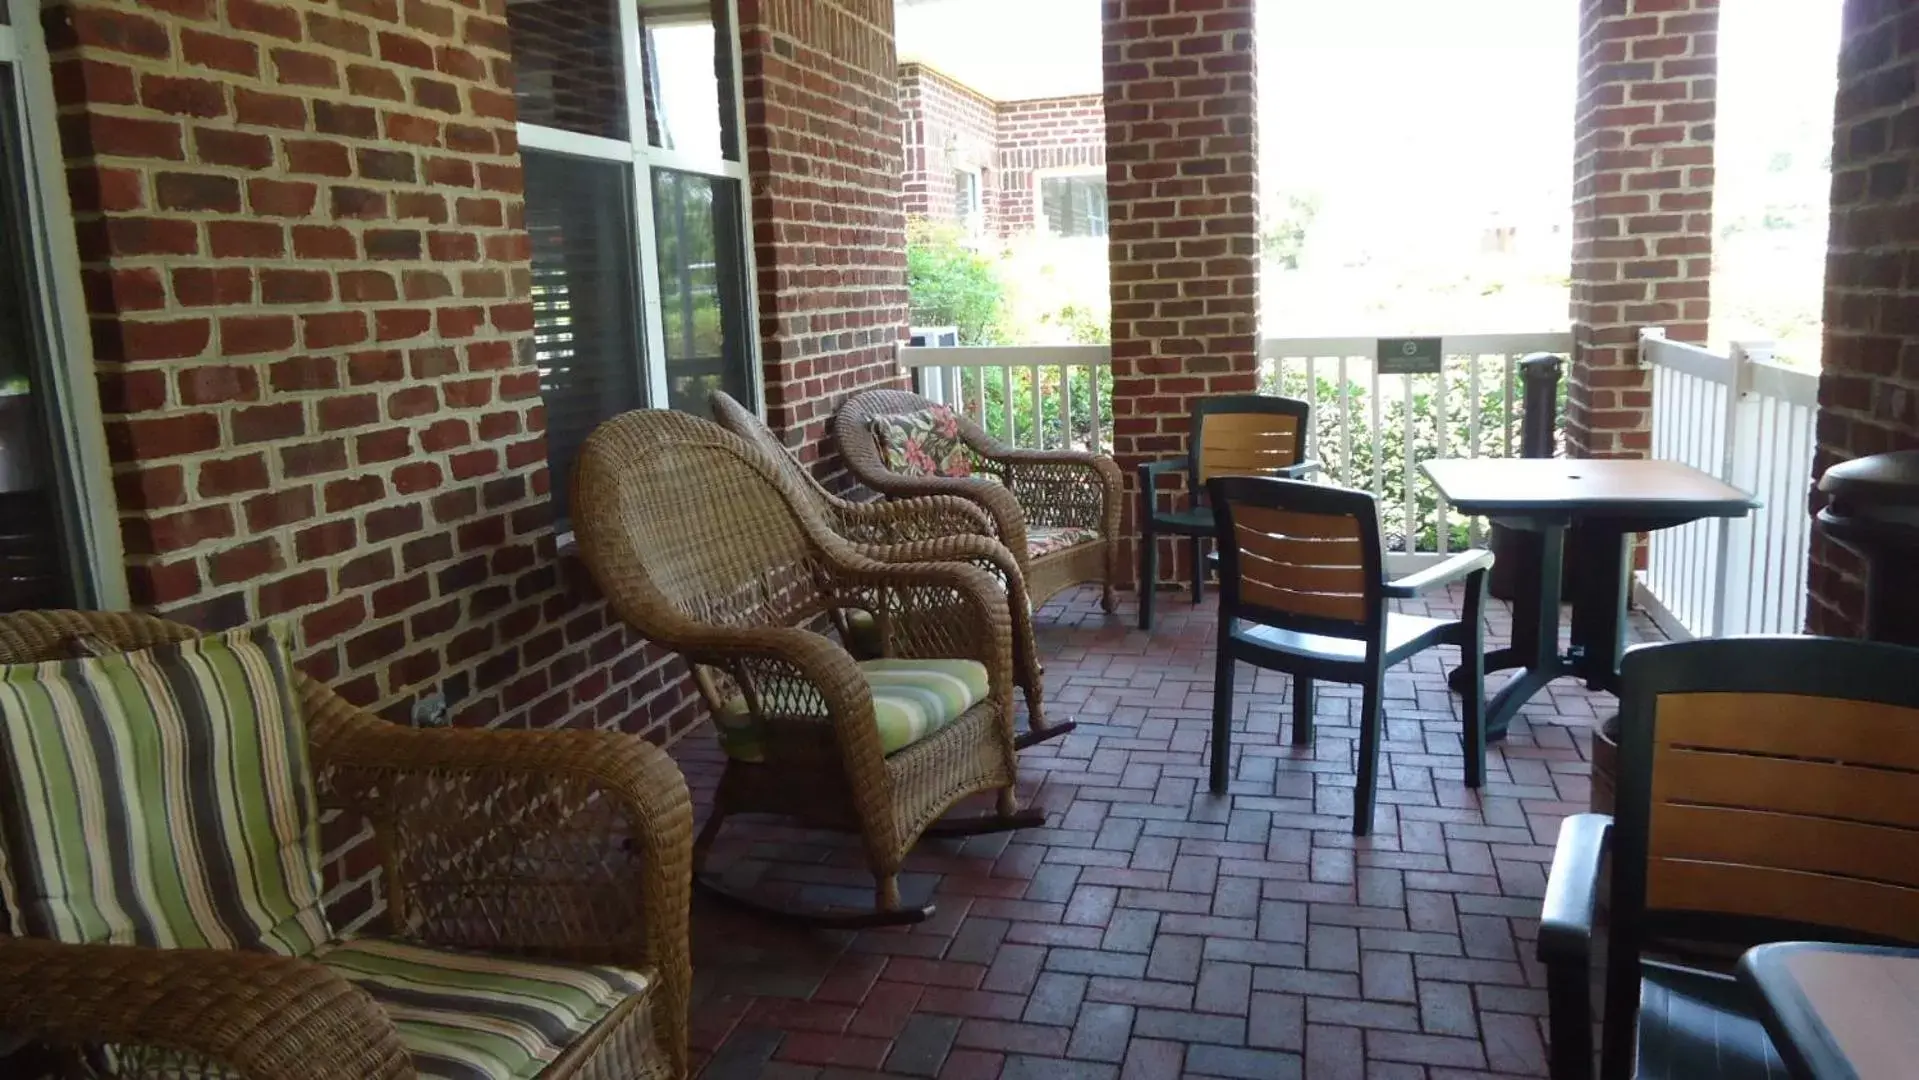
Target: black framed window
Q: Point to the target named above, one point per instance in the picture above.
(702, 288)
(629, 127)
(586, 329)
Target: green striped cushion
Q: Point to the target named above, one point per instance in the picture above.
(911, 700)
(464, 1016)
(162, 798)
(914, 698)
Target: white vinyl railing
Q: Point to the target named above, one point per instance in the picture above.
(1369, 430)
(1750, 422)
(1372, 431)
(1040, 397)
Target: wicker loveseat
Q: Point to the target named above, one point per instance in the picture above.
(526, 874)
(1057, 510)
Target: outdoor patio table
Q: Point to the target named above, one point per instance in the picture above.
(1610, 501)
(1838, 1012)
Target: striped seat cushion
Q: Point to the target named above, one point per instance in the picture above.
(466, 1016)
(911, 700)
(190, 759)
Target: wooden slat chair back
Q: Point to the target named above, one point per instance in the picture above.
(1313, 564)
(1784, 806)
(1246, 435)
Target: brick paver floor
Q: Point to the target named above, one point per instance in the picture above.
(1155, 930)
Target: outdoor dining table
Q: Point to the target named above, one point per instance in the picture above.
(1608, 501)
(1838, 1012)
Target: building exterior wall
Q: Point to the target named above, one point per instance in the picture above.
(1060, 135)
(949, 127)
(1642, 206)
(823, 147)
(1869, 390)
(301, 237)
(1182, 187)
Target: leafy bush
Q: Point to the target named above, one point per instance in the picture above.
(952, 284)
(1370, 453)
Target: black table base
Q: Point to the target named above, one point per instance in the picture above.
(1601, 551)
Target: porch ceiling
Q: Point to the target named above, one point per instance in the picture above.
(1008, 50)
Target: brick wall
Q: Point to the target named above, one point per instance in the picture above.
(949, 127)
(300, 235)
(823, 144)
(1869, 391)
(300, 228)
(1642, 206)
(1181, 113)
(1044, 134)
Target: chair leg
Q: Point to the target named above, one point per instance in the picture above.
(1472, 650)
(1199, 569)
(1302, 710)
(1222, 721)
(1148, 572)
(1369, 725)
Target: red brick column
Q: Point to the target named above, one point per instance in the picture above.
(1642, 209)
(823, 145)
(1869, 391)
(1181, 178)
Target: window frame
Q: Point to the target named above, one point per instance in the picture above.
(972, 216)
(637, 151)
(75, 424)
(1068, 172)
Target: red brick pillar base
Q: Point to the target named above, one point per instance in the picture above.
(1181, 176)
(1642, 206)
(1869, 392)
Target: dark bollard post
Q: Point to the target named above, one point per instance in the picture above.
(1517, 554)
(1874, 510)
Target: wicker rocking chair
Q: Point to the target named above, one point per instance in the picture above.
(1057, 510)
(703, 543)
(520, 869)
(891, 522)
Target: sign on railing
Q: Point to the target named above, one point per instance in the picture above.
(1750, 422)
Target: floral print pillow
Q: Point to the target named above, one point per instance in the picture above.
(924, 443)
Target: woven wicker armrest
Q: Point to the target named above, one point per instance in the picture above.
(970, 616)
(901, 521)
(1066, 487)
(981, 551)
(567, 844)
(263, 1017)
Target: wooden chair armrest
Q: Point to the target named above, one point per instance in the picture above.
(1459, 566)
(263, 1017)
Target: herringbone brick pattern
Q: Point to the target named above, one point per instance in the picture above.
(1155, 930)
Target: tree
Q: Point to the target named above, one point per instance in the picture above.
(1283, 234)
(951, 284)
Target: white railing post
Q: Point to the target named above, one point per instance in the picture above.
(1728, 601)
